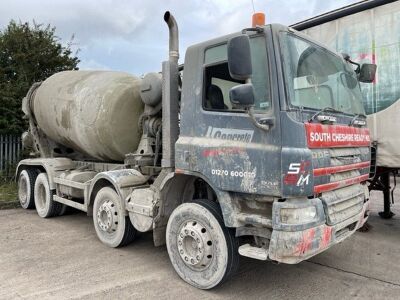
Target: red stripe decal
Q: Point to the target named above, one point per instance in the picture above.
(338, 184)
(329, 136)
(336, 169)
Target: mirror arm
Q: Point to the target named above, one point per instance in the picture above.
(357, 70)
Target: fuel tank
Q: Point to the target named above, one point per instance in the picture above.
(93, 112)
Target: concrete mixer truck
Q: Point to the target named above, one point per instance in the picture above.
(255, 146)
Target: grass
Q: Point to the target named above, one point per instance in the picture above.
(8, 194)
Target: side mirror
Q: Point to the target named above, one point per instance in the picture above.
(242, 95)
(239, 57)
(367, 73)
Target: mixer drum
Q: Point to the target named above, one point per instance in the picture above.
(93, 112)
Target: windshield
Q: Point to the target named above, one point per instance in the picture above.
(317, 78)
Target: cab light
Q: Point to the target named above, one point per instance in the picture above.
(258, 19)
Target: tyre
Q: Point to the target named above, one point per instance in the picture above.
(46, 207)
(202, 250)
(65, 210)
(113, 228)
(26, 188)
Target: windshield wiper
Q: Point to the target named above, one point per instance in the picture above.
(330, 109)
(359, 122)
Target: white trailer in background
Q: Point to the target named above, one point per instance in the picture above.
(369, 31)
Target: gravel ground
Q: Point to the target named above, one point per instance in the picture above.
(62, 258)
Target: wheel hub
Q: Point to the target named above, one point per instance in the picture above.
(22, 190)
(42, 199)
(107, 216)
(195, 245)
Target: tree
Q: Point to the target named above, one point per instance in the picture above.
(28, 54)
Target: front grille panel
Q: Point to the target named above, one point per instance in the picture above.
(342, 204)
(344, 175)
(341, 162)
(341, 165)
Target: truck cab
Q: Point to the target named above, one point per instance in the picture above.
(291, 167)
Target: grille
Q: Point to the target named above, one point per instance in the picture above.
(343, 203)
(342, 197)
(345, 156)
(339, 165)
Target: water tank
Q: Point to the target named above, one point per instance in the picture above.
(92, 112)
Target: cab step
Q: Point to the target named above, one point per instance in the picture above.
(253, 252)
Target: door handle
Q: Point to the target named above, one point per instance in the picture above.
(266, 121)
(263, 123)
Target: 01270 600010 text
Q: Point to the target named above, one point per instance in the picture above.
(222, 172)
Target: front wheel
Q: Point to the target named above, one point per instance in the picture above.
(113, 228)
(202, 250)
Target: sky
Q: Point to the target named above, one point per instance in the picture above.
(131, 36)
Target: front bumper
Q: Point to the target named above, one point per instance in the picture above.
(291, 247)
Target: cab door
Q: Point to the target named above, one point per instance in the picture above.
(221, 141)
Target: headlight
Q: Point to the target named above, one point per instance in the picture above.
(298, 215)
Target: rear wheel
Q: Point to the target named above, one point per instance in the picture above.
(202, 250)
(113, 228)
(65, 210)
(46, 207)
(26, 188)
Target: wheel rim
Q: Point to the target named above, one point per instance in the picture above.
(23, 190)
(107, 217)
(41, 197)
(195, 245)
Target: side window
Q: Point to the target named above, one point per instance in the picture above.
(217, 86)
(218, 82)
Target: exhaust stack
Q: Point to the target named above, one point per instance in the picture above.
(173, 37)
(170, 95)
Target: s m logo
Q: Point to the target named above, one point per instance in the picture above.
(294, 168)
(297, 175)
